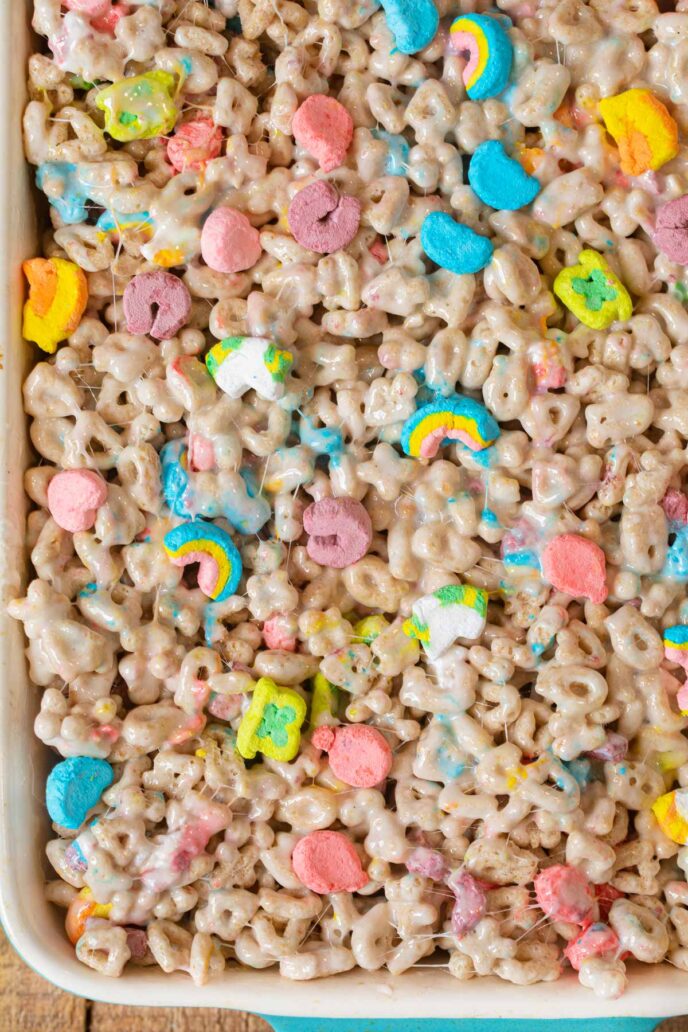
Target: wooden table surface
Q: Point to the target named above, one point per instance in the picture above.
(30, 1004)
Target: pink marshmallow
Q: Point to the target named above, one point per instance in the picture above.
(324, 128)
(593, 941)
(193, 144)
(675, 505)
(157, 303)
(565, 894)
(614, 748)
(428, 863)
(201, 454)
(471, 902)
(276, 634)
(74, 497)
(359, 755)
(671, 230)
(326, 861)
(229, 243)
(340, 531)
(208, 573)
(322, 220)
(576, 566)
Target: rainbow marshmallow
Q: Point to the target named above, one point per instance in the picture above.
(213, 549)
(454, 611)
(675, 643)
(445, 420)
(238, 364)
(113, 224)
(490, 54)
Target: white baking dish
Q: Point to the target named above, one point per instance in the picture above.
(33, 926)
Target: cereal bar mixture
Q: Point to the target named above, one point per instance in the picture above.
(359, 537)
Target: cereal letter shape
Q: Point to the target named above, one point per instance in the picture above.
(327, 861)
(489, 51)
(592, 292)
(322, 219)
(565, 894)
(339, 531)
(140, 107)
(74, 787)
(324, 128)
(63, 186)
(413, 23)
(671, 811)
(199, 541)
(229, 243)
(499, 180)
(238, 364)
(454, 611)
(359, 755)
(671, 230)
(454, 246)
(194, 144)
(323, 701)
(445, 420)
(576, 566)
(58, 293)
(676, 644)
(272, 723)
(644, 131)
(157, 303)
(74, 497)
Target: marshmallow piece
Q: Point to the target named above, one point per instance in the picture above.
(499, 180)
(359, 755)
(675, 641)
(675, 505)
(490, 54)
(645, 132)
(576, 566)
(671, 811)
(453, 246)
(594, 293)
(74, 497)
(413, 23)
(614, 748)
(322, 220)
(427, 862)
(229, 243)
(326, 861)
(454, 611)
(58, 295)
(238, 364)
(74, 787)
(157, 303)
(340, 531)
(671, 230)
(594, 941)
(471, 902)
(194, 144)
(565, 894)
(324, 128)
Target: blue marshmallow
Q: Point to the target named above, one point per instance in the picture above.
(71, 204)
(499, 180)
(413, 23)
(454, 246)
(175, 477)
(74, 787)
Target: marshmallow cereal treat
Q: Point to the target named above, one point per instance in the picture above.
(359, 529)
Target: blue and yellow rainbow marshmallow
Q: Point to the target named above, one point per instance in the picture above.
(445, 420)
(219, 562)
(489, 50)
